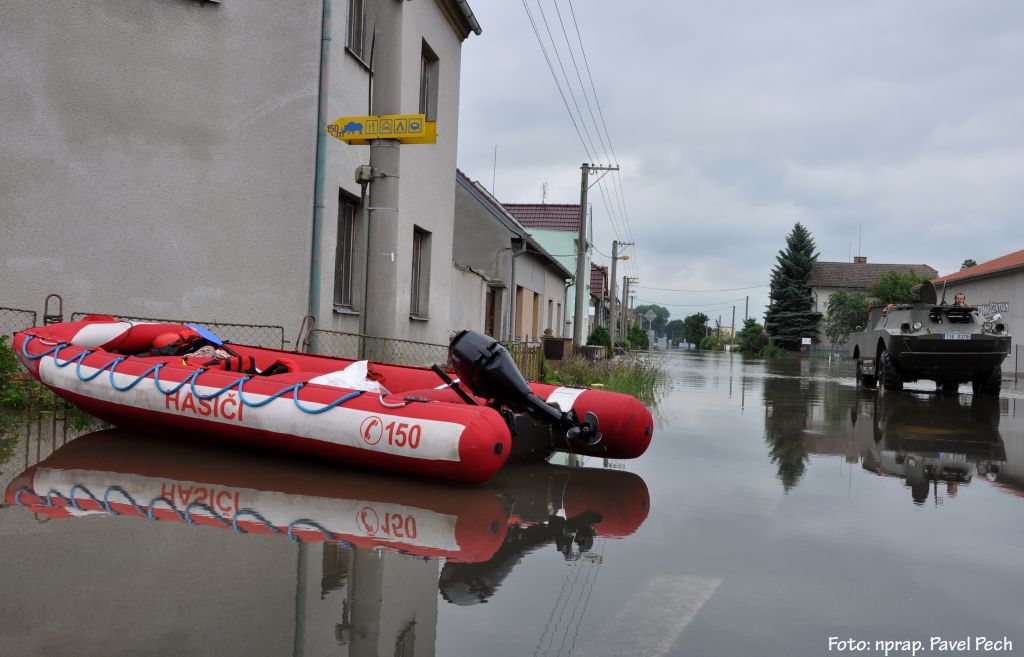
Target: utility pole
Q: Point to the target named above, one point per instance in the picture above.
(625, 306)
(746, 309)
(614, 309)
(582, 275)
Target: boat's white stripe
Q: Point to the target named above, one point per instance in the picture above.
(350, 517)
(94, 335)
(438, 440)
(565, 397)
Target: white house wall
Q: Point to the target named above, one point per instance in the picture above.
(1004, 294)
(159, 156)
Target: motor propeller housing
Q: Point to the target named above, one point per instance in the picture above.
(486, 367)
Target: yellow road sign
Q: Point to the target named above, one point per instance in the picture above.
(406, 128)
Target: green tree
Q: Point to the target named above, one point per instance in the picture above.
(659, 322)
(751, 338)
(895, 287)
(791, 315)
(601, 337)
(638, 337)
(675, 330)
(968, 263)
(695, 328)
(846, 311)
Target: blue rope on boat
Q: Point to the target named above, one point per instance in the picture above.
(185, 516)
(74, 502)
(255, 514)
(190, 380)
(170, 505)
(204, 507)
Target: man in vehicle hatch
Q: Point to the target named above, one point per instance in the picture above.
(960, 299)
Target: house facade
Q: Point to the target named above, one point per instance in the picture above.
(168, 160)
(506, 284)
(994, 286)
(599, 298)
(858, 276)
(556, 227)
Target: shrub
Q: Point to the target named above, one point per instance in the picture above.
(600, 337)
(771, 351)
(712, 343)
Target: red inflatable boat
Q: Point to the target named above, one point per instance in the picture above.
(177, 378)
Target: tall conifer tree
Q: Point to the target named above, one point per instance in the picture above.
(791, 314)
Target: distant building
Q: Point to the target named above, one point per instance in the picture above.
(858, 276)
(506, 284)
(556, 227)
(995, 286)
(599, 296)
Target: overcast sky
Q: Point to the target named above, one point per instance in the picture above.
(733, 120)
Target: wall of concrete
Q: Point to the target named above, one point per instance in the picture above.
(160, 159)
(469, 289)
(562, 245)
(159, 156)
(1003, 294)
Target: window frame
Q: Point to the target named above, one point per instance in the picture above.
(345, 252)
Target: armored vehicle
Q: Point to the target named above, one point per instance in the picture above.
(930, 340)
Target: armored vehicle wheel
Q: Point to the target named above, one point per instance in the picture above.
(889, 374)
(988, 383)
(865, 380)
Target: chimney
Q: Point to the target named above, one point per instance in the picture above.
(860, 260)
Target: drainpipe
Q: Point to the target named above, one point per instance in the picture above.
(512, 290)
(321, 166)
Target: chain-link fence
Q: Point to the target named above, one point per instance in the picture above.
(529, 357)
(381, 350)
(255, 335)
(13, 320)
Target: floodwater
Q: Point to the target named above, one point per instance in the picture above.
(778, 509)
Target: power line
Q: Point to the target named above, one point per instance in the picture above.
(695, 305)
(725, 289)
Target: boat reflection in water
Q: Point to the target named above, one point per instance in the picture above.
(375, 543)
(928, 441)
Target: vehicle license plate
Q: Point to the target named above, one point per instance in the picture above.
(953, 456)
(956, 336)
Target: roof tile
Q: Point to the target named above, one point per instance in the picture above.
(546, 216)
(860, 275)
(1004, 263)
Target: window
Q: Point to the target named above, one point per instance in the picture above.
(420, 272)
(344, 254)
(490, 306)
(551, 315)
(357, 29)
(428, 82)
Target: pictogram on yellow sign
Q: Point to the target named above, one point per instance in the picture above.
(406, 128)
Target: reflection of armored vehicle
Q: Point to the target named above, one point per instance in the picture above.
(928, 441)
(928, 340)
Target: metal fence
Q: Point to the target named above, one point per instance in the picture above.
(13, 320)
(381, 350)
(529, 357)
(256, 335)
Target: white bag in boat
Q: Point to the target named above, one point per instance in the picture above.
(354, 377)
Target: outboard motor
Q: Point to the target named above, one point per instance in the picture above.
(487, 368)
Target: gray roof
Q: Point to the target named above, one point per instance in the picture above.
(860, 275)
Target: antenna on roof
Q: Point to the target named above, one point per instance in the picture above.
(544, 192)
